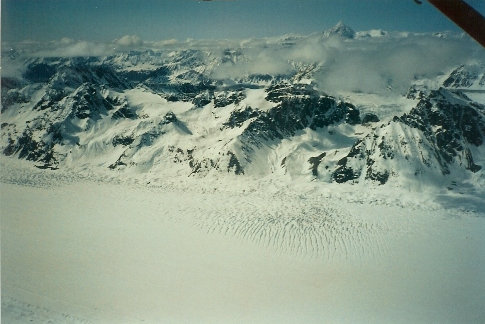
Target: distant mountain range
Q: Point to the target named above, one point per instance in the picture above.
(206, 111)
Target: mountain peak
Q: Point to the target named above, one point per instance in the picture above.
(340, 24)
(340, 30)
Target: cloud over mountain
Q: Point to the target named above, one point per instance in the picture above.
(367, 64)
(129, 41)
(361, 63)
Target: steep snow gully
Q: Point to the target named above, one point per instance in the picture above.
(200, 182)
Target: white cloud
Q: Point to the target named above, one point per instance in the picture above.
(70, 48)
(165, 42)
(375, 65)
(129, 41)
(254, 61)
(369, 65)
(66, 41)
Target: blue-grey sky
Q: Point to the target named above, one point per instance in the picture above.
(105, 20)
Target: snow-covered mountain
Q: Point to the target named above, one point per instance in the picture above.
(340, 30)
(441, 135)
(249, 110)
(469, 77)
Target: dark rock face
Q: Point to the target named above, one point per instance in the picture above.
(203, 99)
(315, 162)
(449, 123)
(465, 77)
(182, 91)
(344, 172)
(122, 140)
(299, 107)
(380, 177)
(160, 75)
(226, 99)
(75, 73)
(238, 117)
(135, 77)
(187, 156)
(260, 77)
(124, 112)
(281, 91)
(370, 118)
(169, 118)
(203, 166)
(118, 163)
(89, 103)
(39, 72)
(33, 150)
(50, 100)
(234, 164)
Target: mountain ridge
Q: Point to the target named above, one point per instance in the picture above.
(173, 115)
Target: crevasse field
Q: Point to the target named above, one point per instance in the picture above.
(82, 247)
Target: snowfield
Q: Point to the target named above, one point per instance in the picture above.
(81, 247)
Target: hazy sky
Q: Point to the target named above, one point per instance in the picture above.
(105, 20)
